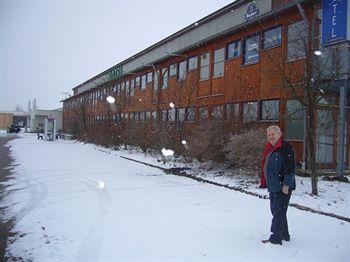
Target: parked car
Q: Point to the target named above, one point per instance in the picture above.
(13, 129)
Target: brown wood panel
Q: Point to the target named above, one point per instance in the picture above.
(232, 79)
(203, 88)
(271, 72)
(250, 84)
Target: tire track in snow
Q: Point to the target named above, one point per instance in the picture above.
(38, 192)
(91, 248)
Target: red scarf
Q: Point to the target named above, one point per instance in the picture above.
(266, 151)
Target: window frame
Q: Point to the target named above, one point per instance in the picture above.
(214, 112)
(149, 77)
(143, 82)
(290, 118)
(262, 110)
(297, 41)
(244, 117)
(219, 63)
(184, 71)
(200, 113)
(245, 62)
(239, 49)
(279, 40)
(173, 69)
(192, 58)
(165, 77)
(205, 66)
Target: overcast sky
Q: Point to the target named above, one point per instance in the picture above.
(49, 47)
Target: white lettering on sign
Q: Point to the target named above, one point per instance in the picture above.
(334, 19)
(335, 7)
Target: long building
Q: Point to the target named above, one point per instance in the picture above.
(248, 60)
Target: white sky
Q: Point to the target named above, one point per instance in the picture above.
(49, 47)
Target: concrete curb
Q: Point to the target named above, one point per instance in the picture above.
(181, 172)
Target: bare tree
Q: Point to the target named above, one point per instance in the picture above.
(307, 77)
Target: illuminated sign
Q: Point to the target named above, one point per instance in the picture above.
(334, 21)
(252, 10)
(115, 73)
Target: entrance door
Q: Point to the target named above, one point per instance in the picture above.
(325, 136)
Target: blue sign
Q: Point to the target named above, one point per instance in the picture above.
(334, 21)
(252, 10)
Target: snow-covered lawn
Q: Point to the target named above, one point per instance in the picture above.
(79, 202)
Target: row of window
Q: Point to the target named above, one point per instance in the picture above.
(251, 47)
(269, 111)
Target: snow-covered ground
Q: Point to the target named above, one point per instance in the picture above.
(80, 202)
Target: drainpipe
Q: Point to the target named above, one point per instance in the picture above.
(306, 23)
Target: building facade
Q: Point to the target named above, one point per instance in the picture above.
(247, 61)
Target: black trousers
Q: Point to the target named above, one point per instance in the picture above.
(279, 225)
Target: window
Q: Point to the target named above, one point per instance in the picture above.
(191, 114)
(173, 70)
(205, 66)
(118, 89)
(142, 116)
(296, 47)
(181, 115)
(148, 116)
(234, 49)
(164, 115)
(132, 87)
(219, 62)
(117, 118)
(325, 136)
(164, 77)
(270, 110)
(250, 112)
(154, 118)
(272, 37)
(171, 115)
(182, 70)
(143, 82)
(294, 126)
(137, 81)
(155, 82)
(218, 112)
(192, 63)
(149, 77)
(122, 86)
(203, 113)
(127, 90)
(232, 111)
(251, 49)
(136, 116)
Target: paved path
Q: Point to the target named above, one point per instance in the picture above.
(5, 161)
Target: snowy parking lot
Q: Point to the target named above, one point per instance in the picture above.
(74, 202)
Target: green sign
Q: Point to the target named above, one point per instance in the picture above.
(115, 73)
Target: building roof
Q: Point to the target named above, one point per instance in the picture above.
(228, 17)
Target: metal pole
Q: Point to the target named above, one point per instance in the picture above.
(157, 104)
(306, 23)
(341, 132)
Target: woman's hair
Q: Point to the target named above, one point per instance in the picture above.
(276, 128)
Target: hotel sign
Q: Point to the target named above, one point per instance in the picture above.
(115, 73)
(334, 21)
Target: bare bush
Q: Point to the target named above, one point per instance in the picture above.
(208, 139)
(244, 149)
